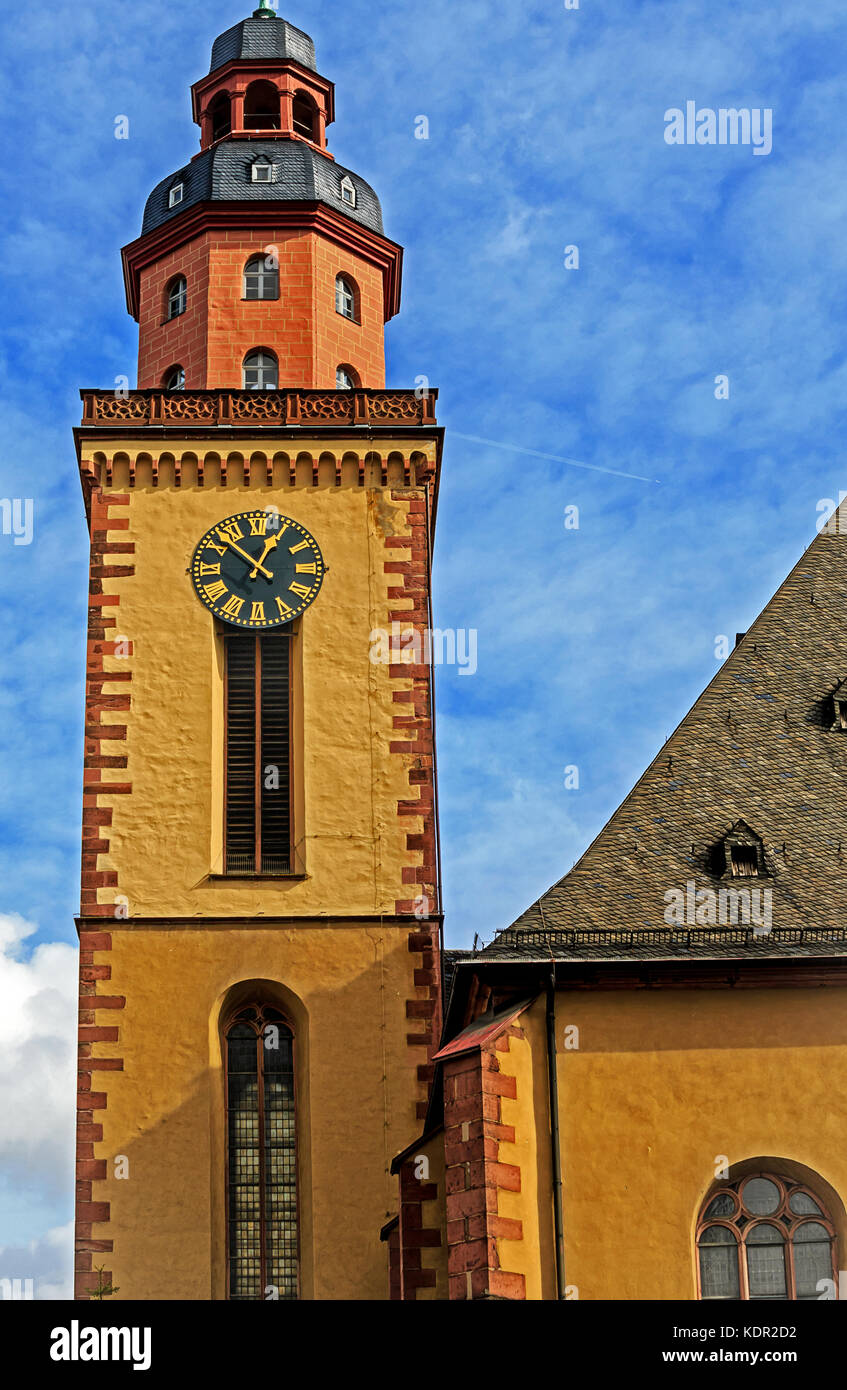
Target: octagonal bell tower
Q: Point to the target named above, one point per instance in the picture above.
(262, 246)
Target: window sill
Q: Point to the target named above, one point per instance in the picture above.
(249, 878)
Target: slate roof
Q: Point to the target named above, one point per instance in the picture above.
(263, 38)
(758, 745)
(222, 174)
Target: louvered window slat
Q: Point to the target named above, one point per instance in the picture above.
(258, 734)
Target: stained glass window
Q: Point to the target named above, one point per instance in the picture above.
(261, 1156)
(756, 1241)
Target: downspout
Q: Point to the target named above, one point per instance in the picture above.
(555, 1141)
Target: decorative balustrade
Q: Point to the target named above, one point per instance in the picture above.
(258, 408)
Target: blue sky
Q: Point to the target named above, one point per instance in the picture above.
(546, 130)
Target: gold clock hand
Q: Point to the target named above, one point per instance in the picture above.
(249, 558)
(270, 542)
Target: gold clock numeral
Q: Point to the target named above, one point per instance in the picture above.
(214, 591)
(307, 569)
(302, 590)
(301, 545)
(284, 609)
(219, 549)
(210, 569)
(257, 613)
(258, 525)
(233, 606)
(230, 529)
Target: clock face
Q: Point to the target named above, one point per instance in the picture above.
(257, 569)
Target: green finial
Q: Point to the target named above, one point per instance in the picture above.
(265, 11)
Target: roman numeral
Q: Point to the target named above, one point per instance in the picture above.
(233, 606)
(301, 545)
(301, 590)
(230, 529)
(258, 525)
(219, 549)
(213, 591)
(284, 609)
(257, 613)
(307, 569)
(210, 569)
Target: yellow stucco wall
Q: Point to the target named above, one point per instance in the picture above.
(345, 990)
(166, 837)
(663, 1084)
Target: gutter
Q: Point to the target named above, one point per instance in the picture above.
(555, 1138)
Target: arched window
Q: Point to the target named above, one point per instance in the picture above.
(175, 379)
(261, 278)
(177, 296)
(764, 1237)
(221, 116)
(345, 378)
(345, 298)
(261, 107)
(262, 1248)
(261, 371)
(305, 116)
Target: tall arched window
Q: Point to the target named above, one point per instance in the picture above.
(261, 278)
(261, 107)
(175, 379)
(176, 296)
(262, 1247)
(305, 116)
(221, 116)
(261, 371)
(345, 297)
(764, 1237)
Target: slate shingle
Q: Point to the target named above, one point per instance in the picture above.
(263, 38)
(222, 174)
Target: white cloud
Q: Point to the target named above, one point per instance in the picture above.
(47, 1262)
(37, 1093)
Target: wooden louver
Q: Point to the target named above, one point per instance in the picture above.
(258, 798)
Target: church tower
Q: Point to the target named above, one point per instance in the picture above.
(260, 912)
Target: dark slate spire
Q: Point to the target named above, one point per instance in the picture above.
(263, 35)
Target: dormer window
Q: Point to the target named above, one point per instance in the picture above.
(348, 191)
(175, 195)
(740, 854)
(262, 170)
(744, 861)
(838, 706)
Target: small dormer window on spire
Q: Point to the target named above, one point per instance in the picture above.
(176, 194)
(348, 191)
(262, 170)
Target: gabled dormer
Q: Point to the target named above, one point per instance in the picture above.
(740, 853)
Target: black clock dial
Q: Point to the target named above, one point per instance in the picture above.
(257, 569)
